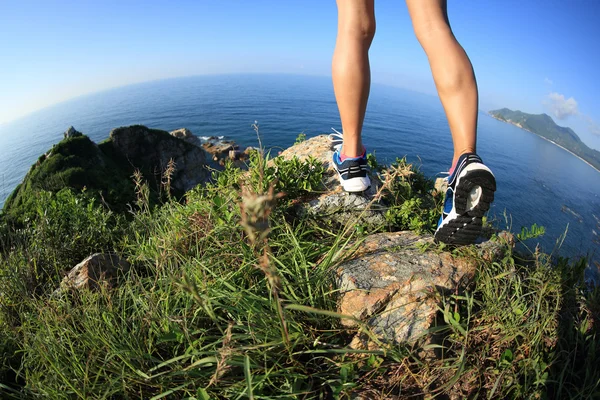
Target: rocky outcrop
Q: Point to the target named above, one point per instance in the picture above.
(335, 204)
(441, 185)
(151, 150)
(93, 272)
(390, 283)
(105, 169)
(187, 135)
(222, 150)
(219, 149)
(393, 281)
(71, 132)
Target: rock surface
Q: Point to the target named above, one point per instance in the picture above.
(187, 135)
(222, 150)
(219, 149)
(335, 204)
(96, 270)
(441, 185)
(389, 283)
(72, 132)
(152, 149)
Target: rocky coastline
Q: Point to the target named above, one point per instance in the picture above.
(140, 267)
(384, 284)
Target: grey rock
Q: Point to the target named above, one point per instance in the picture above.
(335, 205)
(187, 135)
(96, 270)
(441, 185)
(390, 282)
(182, 133)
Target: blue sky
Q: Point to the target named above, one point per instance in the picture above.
(536, 56)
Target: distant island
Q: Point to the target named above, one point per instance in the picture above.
(543, 125)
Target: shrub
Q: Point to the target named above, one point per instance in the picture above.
(413, 202)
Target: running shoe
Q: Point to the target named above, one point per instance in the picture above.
(352, 172)
(470, 192)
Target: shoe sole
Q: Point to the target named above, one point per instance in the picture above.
(463, 225)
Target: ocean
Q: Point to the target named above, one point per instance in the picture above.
(538, 182)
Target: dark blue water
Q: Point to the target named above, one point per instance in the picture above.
(538, 182)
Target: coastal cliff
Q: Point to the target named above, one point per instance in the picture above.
(270, 281)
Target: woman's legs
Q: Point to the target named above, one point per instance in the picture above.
(350, 69)
(452, 71)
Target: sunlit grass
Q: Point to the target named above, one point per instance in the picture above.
(214, 308)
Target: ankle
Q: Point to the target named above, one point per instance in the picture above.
(352, 151)
(457, 155)
(344, 154)
(460, 152)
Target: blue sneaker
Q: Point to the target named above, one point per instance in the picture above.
(470, 192)
(352, 172)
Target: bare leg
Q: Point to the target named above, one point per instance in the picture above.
(350, 69)
(452, 71)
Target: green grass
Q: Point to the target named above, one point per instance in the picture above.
(75, 163)
(214, 308)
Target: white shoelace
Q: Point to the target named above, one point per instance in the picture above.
(337, 139)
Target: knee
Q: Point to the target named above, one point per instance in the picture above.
(432, 32)
(362, 29)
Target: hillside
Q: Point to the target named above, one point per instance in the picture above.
(544, 126)
(105, 170)
(271, 282)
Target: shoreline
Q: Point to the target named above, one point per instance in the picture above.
(546, 139)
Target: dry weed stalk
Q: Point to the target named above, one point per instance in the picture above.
(142, 191)
(255, 209)
(224, 352)
(167, 177)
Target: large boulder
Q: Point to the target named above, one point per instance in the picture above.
(187, 135)
(96, 270)
(335, 204)
(389, 282)
(151, 151)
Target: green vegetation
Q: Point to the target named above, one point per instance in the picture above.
(544, 126)
(105, 170)
(413, 203)
(300, 138)
(76, 163)
(230, 296)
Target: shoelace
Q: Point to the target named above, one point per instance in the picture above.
(337, 139)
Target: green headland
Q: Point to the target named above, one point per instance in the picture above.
(543, 125)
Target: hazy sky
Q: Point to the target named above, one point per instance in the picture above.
(536, 56)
